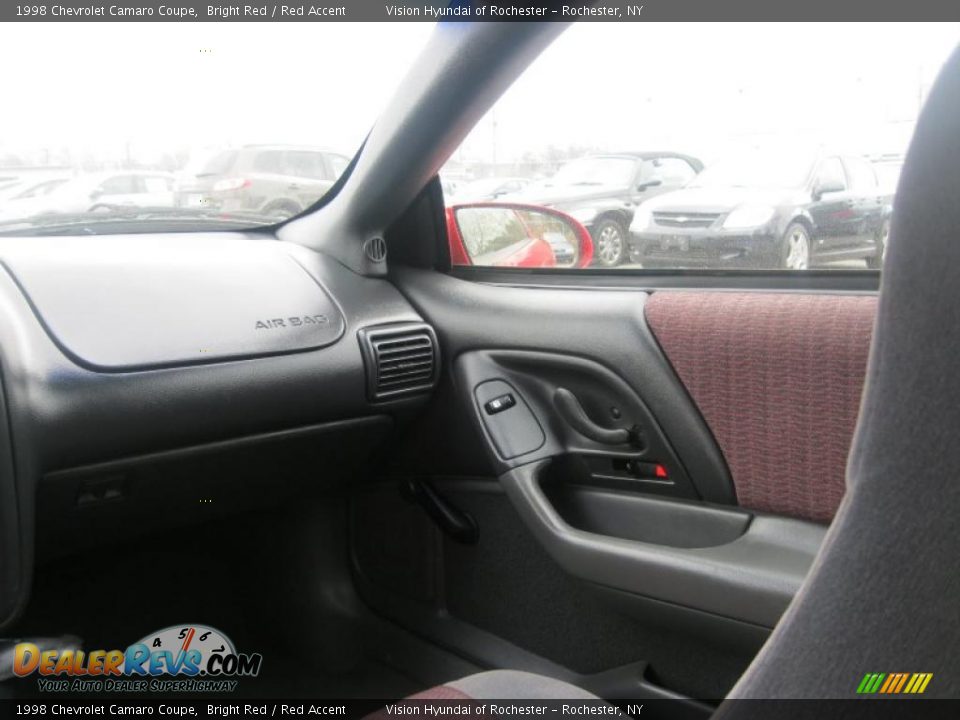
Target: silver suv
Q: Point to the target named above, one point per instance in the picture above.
(275, 180)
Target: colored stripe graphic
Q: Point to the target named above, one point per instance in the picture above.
(894, 683)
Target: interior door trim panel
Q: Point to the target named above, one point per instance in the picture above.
(778, 378)
(751, 578)
(678, 537)
(625, 439)
(608, 331)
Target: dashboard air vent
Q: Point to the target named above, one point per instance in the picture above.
(401, 359)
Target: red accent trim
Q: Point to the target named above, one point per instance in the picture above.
(187, 639)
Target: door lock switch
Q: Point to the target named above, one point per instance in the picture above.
(500, 403)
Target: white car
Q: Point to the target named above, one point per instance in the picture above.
(93, 192)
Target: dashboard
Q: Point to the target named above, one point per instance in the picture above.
(144, 377)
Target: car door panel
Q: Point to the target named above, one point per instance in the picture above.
(676, 576)
(833, 212)
(566, 532)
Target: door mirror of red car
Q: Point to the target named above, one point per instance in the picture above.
(500, 234)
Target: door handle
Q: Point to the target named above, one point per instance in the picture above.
(576, 417)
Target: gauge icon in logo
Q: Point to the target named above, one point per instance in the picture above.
(185, 649)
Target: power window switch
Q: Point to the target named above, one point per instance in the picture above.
(499, 404)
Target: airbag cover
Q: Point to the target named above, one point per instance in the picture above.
(118, 304)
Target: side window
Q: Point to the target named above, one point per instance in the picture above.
(862, 177)
(39, 190)
(120, 185)
(157, 184)
(701, 167)
(269, 161)
(669, 171)
(305, 164)
(830, 175)
(338, 165)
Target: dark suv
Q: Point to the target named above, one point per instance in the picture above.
(767, 209)
(275, 180)
(603, 191)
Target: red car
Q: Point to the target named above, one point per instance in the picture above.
(495, 234)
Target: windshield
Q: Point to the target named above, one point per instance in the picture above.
(218, 163)
(239, 122)
(758, 170)
(596, 171)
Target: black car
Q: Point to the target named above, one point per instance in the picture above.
(603, 191)
(790, 210)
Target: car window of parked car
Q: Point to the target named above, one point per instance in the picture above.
(157, 184)
(830, 175)
(668, 170)
(735, 164)
(305, 164)
(269, 161)
(40, 189)
(120, 185)
(861, 174)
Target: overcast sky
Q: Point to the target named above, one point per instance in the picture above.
(693, 87)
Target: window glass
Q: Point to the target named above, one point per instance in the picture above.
(185, 110)
(830, 175)
(338, 164)
(270, 161)
(305, 165)
(120, 185)
(157, 184)
(888, 174)
(596, 171)
(219, 163)
(668, 170)
(611, 154)
(40, 189)
(861, 174)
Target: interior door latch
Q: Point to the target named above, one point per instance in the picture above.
(576, 417)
